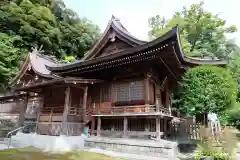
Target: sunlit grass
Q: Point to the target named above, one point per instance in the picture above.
(35, 154)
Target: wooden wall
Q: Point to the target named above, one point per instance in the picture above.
(54, 98)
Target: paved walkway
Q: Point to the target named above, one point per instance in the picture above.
(4, 146)
(124, 155)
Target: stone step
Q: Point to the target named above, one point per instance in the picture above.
(123, 155)
(163, 148)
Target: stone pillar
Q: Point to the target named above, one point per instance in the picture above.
(125, 126)
(65, 112)
(85, 103)
(99, 126)
(93, 125)
(158, 131)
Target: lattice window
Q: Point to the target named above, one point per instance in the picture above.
(130, 91)
(106, 93)
(123, 92)
(136, 90)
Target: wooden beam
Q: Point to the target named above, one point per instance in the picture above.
(165, 121)
(66, 109)
(158, 131)
(93, 125)
(85, 103)
(158, 97)
(99, 126)
(146, 84)
(41, 103)
(125, 126)
(22, 112)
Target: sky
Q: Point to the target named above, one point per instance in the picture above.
(134, 14)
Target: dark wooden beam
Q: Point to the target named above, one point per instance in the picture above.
(93, 123)
(85, 103)
(99, 126)
(158, 127)
(41, 104)
(125, 126)
(22, 112)
(146, 85)
(66, 109)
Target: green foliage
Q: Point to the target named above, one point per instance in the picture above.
(68, 59)
(234, 68)
(10, 57)
(207, 89)
(217, 154)
(233, 116)
(222, 149)
(48, 23)
(202, 33)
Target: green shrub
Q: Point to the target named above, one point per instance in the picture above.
(207, 89)
(233, 116)
(216, 153)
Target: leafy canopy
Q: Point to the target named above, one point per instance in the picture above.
(10, 57)
(202, 33)
(207, 89)
(233, 116)
(48, 23)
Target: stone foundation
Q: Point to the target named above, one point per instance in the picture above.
(49, 143)
(161, 148)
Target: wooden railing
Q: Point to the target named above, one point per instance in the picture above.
(130, 109)
(55, 114)
(52, 110)
(60, 110)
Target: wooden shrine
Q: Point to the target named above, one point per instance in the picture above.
(122, 87)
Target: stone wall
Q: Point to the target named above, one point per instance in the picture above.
(49, 143)
(143, 147)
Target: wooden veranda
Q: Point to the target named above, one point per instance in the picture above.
(63, 104)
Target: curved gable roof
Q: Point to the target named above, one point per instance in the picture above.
(171, 36)
(37, 62)
(114, 26)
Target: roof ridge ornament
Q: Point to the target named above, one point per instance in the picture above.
(37, 50)
(115, 18)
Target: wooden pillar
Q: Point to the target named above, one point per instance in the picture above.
(165, 121)
(41, 103)
(93, 125)
(158, 131)
(65, 112)
(158, 97)
(23, 106)
(85, 103)
(99, 126)
(146, 84)
(168, 98)
(125, 126)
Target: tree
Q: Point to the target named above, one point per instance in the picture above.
(233, 116)
(202, 33)
(205, 89)
(48, 23)
(10, 57)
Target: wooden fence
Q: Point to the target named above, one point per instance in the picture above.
(188, 129)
